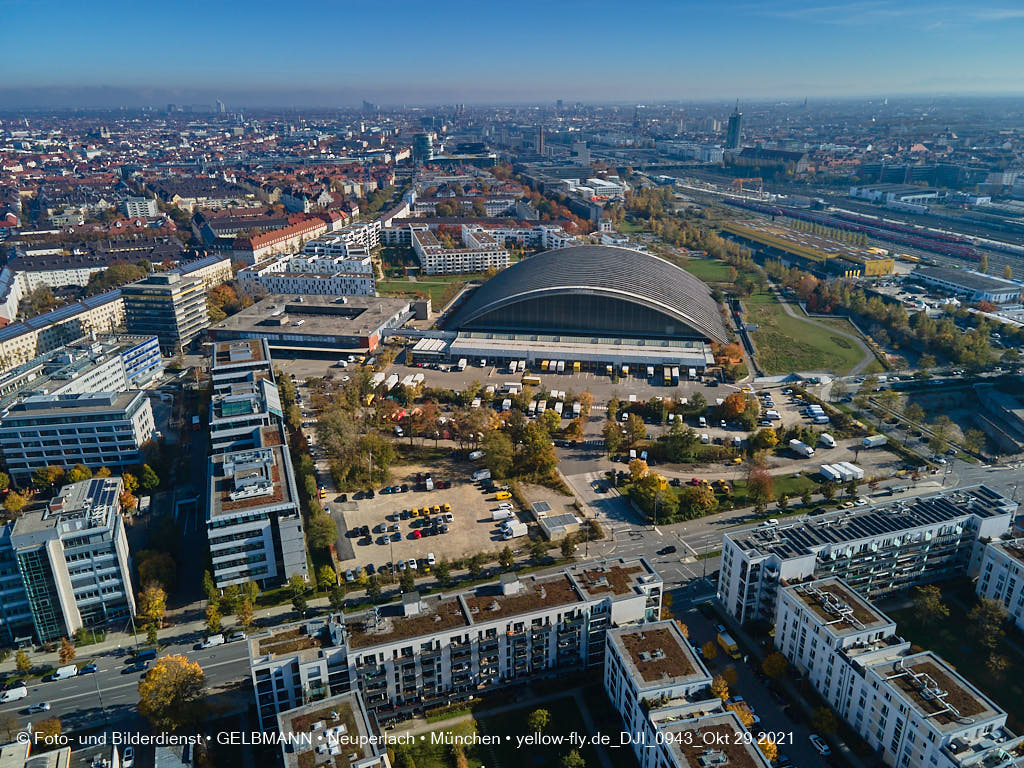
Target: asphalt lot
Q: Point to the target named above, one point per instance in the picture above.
(472, 529)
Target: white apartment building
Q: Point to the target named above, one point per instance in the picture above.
(140, 207)
(1001, 576)
(425, 651)
(98, 429)
(334, 731)
(253, 521)
(914, 709)
(73, 562)
(662, 692)
(480, 251)
(239, 415)
(350, 275)
(877, 550)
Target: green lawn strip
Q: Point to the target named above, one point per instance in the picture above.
(950, 641)
(708, 270)
(786, 344)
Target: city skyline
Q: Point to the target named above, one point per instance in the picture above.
(661, 51)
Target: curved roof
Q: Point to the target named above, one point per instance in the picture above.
(609, 271)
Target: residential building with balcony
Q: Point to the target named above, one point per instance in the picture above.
(1001, 576)
(878, 550)
(98, 429)
(427, 651)
(67, 565)
(349, 275)
(336, 731)
(911, 707)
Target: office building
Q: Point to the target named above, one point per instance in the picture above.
(877, 550)
(243, 361)
(911, 707)
(169, 306)
(1001, 576)
(734, 130)
(98, 429)
(335, 731)
(253, 521)
(66, 566)
(422, 148)
(318, 325)
(427, 651)
(662, 692)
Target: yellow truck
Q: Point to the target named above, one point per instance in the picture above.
(728, 645)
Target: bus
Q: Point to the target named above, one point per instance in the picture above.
(533, 381)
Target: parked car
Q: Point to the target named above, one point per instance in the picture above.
(819, 744)
(412, 564)
(128, 757)
(349, 576)
(87, 669)
(234, 637)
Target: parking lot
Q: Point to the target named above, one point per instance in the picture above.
(471, 529)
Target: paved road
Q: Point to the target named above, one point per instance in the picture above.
(109, 694)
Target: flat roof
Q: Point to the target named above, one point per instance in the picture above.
(312, 316)
(715, 741)
(1013, 548)
(37, 406)
(840, 609)
(535, 594)
(238, 352)
(263, 470)
(932, 687)
(590, 348)
(658, 655)
(390, 624)
(969, 279)
(610, 579)
(813, 534)
(337, 729)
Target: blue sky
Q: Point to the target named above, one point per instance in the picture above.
(487, 51)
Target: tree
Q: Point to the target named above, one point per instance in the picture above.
(573, 760)
(336, 597)
(765, 439)
(914, 413)
(153, 605)
(212, 618)
(498, 453)
(172, 695)
(66, 654)
(759, 485)
(443, 572)
(824, 720)
(326, 577)
(128, 501)
(637, 470)
(156, 568)
(986, 621)
(130, 482)
(768, 748)
(551, 421)
(102, 472)
(806, 497)
(47, 477)
(733, 406)
(851, 487)
(997, 664)
(538, 720)
(475, 565)
(612, 434)
(148, 479)
(743, 712)
(1008, 272)
(782, 501)
(983, 263)
(407, 581)
(719, 687)
(774, 665)
(710, 650)
(5, 481)
(244, 613)
(46, 731)
(636, 430)
(78, 473)
(568, 545)
(22, 663)
(506, 559)
(974, 440)
(538, 551)
(828, 490)
(296, 584)
(731, 676)
(928, 606)
(15, 502)
(373, 589)
(210, 587)
(321, 532)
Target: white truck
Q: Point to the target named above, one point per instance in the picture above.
(827, 440)
(213, 640)
(801, 449)
(506, 404)
(874, 441)
(575, 408)
(501, 514)
(63, 673)
(481, 474)
(463, 362)
(13, 694)
(391, 382)
(513, 530)
(559, 407)
(561, 366)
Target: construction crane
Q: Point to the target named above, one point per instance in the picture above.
(737, 185)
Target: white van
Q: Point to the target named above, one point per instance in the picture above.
(13, 694)
(213, 640)
(702, 421)
(62, 673)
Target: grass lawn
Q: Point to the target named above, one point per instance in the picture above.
(565, 719)
(434, 285)
(786, 344)
(426, 754)
(960, 649)
(628, 227)
(787, 484)
(708, 270)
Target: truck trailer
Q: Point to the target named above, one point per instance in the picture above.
(874, 441)
(801, 449)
